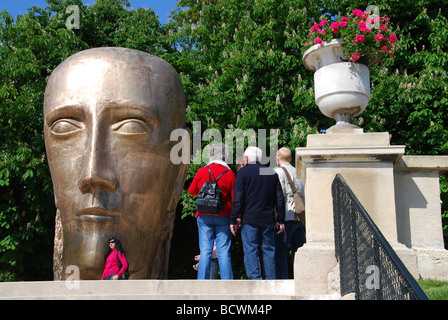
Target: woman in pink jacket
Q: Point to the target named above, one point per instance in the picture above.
(116, 263)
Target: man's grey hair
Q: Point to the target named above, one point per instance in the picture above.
(253, 154)
(218, 151)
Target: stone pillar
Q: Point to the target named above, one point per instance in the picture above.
(418, 200)
(366, 161)
(419, 219)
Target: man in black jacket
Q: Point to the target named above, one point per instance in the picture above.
(257, 197)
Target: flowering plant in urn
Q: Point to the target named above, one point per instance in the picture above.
(366, 38)
(340, 54)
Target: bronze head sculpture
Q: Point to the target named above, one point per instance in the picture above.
(108, 115)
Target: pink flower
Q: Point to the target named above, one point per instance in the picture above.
(335, 27)
(359, 38)
(365, 29)
(358, 13)
(393, 38)
(318, 40)
(379, 37)
(315, 27)
(375, 20)
(355, 57)
(344, 19)
(363, 26)
(383, 27)
(384, 48)
(323, 23)
(361, 14)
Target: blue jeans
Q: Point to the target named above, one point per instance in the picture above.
(213, 230)
(294, 237)
(254, 236)
(109, 277)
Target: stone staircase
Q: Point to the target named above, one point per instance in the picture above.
(156, 290)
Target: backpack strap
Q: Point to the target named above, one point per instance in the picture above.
(210, 175)
(222, 175)
(291, 184)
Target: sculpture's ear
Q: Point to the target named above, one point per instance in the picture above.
(160, 266)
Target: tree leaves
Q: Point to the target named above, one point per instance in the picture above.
(242, 60)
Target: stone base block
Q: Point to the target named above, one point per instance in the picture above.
(312, 264)
(432, 263)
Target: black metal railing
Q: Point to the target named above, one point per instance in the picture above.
(369, 266)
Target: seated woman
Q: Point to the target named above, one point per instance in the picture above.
(116, 263)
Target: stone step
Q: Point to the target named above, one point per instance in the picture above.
(156, 290)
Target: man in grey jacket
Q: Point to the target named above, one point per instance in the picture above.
(294, 234)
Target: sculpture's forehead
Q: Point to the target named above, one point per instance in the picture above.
(93, 81)
(113, 76)
(90, 80)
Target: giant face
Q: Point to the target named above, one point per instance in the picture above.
(108, 115)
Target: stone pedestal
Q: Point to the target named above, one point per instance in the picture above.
(366, 161)
(312, 264)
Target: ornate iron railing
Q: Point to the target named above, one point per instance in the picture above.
(369, 266)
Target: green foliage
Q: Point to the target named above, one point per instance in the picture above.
(246, 70)
(418, 83)
(30, 48)
(241, 68)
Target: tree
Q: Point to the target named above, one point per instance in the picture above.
(241, 67)
(30, 49)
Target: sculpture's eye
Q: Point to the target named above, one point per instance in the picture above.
(66, 127)
(132, 127)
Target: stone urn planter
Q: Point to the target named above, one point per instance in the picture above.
(342, 88)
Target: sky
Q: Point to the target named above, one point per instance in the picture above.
(161, 7)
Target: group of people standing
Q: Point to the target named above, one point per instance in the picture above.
(260, 201)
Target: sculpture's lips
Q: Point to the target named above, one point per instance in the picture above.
(98, 213)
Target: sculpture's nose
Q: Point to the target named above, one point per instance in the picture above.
(93, 184)
(97, 173)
